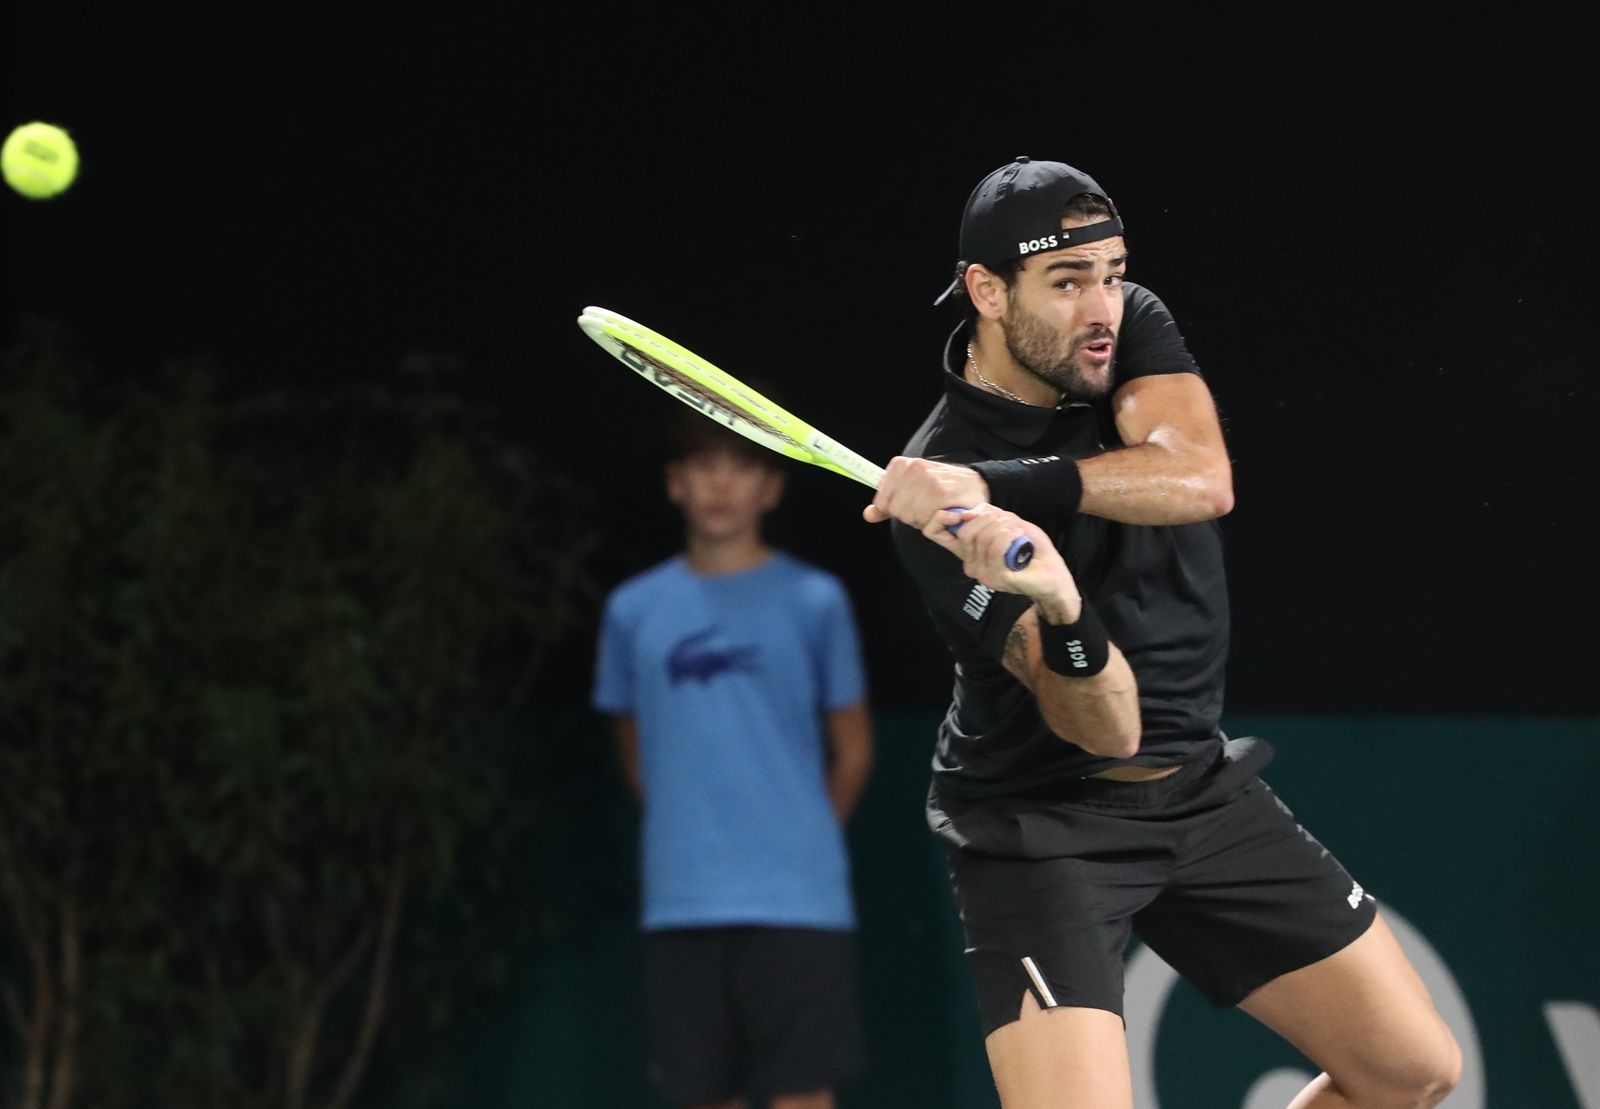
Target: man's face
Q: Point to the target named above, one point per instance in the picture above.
(1063, 314)
(723, 493)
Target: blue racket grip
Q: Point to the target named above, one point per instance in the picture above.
(1018, 555)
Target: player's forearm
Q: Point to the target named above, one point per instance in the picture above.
(1084, 688)
(1162, 480)
(1098, 713)
(1156, 483)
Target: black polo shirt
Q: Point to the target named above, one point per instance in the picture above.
(1160, 590)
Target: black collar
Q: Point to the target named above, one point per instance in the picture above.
(1020, 424)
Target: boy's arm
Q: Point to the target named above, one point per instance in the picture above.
(850, 756)
(626, 730)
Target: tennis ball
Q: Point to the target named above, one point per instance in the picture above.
(39, 160)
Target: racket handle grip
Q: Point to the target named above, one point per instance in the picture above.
(1018, 555)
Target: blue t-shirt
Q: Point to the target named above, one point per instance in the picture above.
(727, 676)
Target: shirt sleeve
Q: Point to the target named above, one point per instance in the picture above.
(614, 689)
(840, 677)
(1150, 342)
(972, 619)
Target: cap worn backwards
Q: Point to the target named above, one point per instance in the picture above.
(1016, 211)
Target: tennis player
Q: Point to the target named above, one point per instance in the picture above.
(1081, 782)
(734, 678)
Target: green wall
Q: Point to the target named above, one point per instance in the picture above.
(1479, 835)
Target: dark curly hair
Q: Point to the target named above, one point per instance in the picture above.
(688, 433)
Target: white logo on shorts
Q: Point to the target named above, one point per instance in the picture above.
(1356, 894)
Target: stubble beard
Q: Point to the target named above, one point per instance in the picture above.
(1034, 345)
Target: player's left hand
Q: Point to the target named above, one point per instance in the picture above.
(913, 490)
(986, 534)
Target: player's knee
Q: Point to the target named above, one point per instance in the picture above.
(1447, 1066)
(1420, 1078)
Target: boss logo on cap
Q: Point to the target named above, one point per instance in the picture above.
(1033, 246)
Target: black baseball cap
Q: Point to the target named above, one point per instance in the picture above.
(1016, 211)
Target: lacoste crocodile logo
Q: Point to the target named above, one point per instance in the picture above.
(693, 660)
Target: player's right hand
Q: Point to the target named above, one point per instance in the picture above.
(913, 489)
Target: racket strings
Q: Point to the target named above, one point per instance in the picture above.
(711, 400)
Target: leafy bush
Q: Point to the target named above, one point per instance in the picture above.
(259, 658)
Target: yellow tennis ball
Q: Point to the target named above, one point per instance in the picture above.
(39, 160)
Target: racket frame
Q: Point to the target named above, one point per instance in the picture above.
(654, 357)
(713, 392)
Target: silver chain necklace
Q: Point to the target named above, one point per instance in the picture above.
(1001, 389)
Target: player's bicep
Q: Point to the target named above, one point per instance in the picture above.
(1173, 410)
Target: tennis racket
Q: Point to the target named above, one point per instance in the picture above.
(722, 397)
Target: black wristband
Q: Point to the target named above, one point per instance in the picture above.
(1079, 650)
(1046, 491)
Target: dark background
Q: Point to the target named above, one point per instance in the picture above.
(1377, 238)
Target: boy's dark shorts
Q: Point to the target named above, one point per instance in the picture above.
(1206, 866)
(751, 1011)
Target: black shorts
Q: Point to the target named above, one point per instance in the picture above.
(1206, 866)
(750, 1011)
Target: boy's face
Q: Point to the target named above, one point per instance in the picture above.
(723, 493)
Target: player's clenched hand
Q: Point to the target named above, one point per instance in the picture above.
(913, 489)
(985, 534)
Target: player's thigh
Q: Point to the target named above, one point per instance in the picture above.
(693, 1041)
(1052, 928)
(1064, 1057)
(1045, 939)
(1363, 1015)
(1253, 897)
(795, 992)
